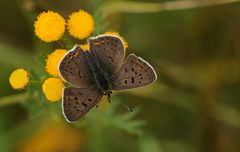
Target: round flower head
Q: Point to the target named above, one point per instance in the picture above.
(117, 34)
(53, 60)
(85, 47)
(50, 26)
(80, 24)
(52, 89)
(19, 79)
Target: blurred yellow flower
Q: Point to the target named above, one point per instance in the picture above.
(19, 79)
(53, 60)
(52, 89)
(80, 24)
(54, 137)
(50, 26)
(85, 47)
(114, 33)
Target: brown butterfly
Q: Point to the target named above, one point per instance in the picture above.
(97, 72)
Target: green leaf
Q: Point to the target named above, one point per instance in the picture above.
(149, 144)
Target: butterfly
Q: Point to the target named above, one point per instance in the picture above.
(96, 72)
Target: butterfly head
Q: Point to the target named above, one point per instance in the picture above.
(108, 94)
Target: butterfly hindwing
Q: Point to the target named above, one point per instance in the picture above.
(109, 52)
(78, 101)
(134, 73)
(74, 68)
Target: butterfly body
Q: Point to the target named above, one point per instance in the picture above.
(98, 71)
(101, 78)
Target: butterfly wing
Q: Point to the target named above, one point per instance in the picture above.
(74, 68)
(78, 101)
(109, 52)
(134, 73)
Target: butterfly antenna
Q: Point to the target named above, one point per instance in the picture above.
(127, 107)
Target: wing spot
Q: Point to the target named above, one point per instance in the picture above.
(136, 73)
(132, 79)
(90, 100)
(75, 98)
(125, 70)
(140, 82)
(125, 81)
(132, 69)
(77, 102)
(84, 104)
(110, 58)
(140, 74)
(79, 73)
(141, 78)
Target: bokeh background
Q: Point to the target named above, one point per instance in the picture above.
(194, 106)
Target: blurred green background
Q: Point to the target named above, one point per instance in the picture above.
(194, 106)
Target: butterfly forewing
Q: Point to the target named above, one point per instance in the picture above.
(78, 101)
(74, 68)
(134, 73)
(109, 52)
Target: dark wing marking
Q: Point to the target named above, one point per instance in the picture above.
(74, 68)
(109, 52)
(77, 102)
(134, 73)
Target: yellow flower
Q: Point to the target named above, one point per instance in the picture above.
(19, 79)
(53, 60)
(85, 47)
(50, 26)
(80, 24)
(52, 89)
(114, 33)
(53, 137)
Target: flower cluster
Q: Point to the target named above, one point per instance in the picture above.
(50, 27)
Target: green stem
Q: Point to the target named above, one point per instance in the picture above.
(145, 7)
(13, 99)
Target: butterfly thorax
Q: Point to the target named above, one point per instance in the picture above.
(101, 78)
